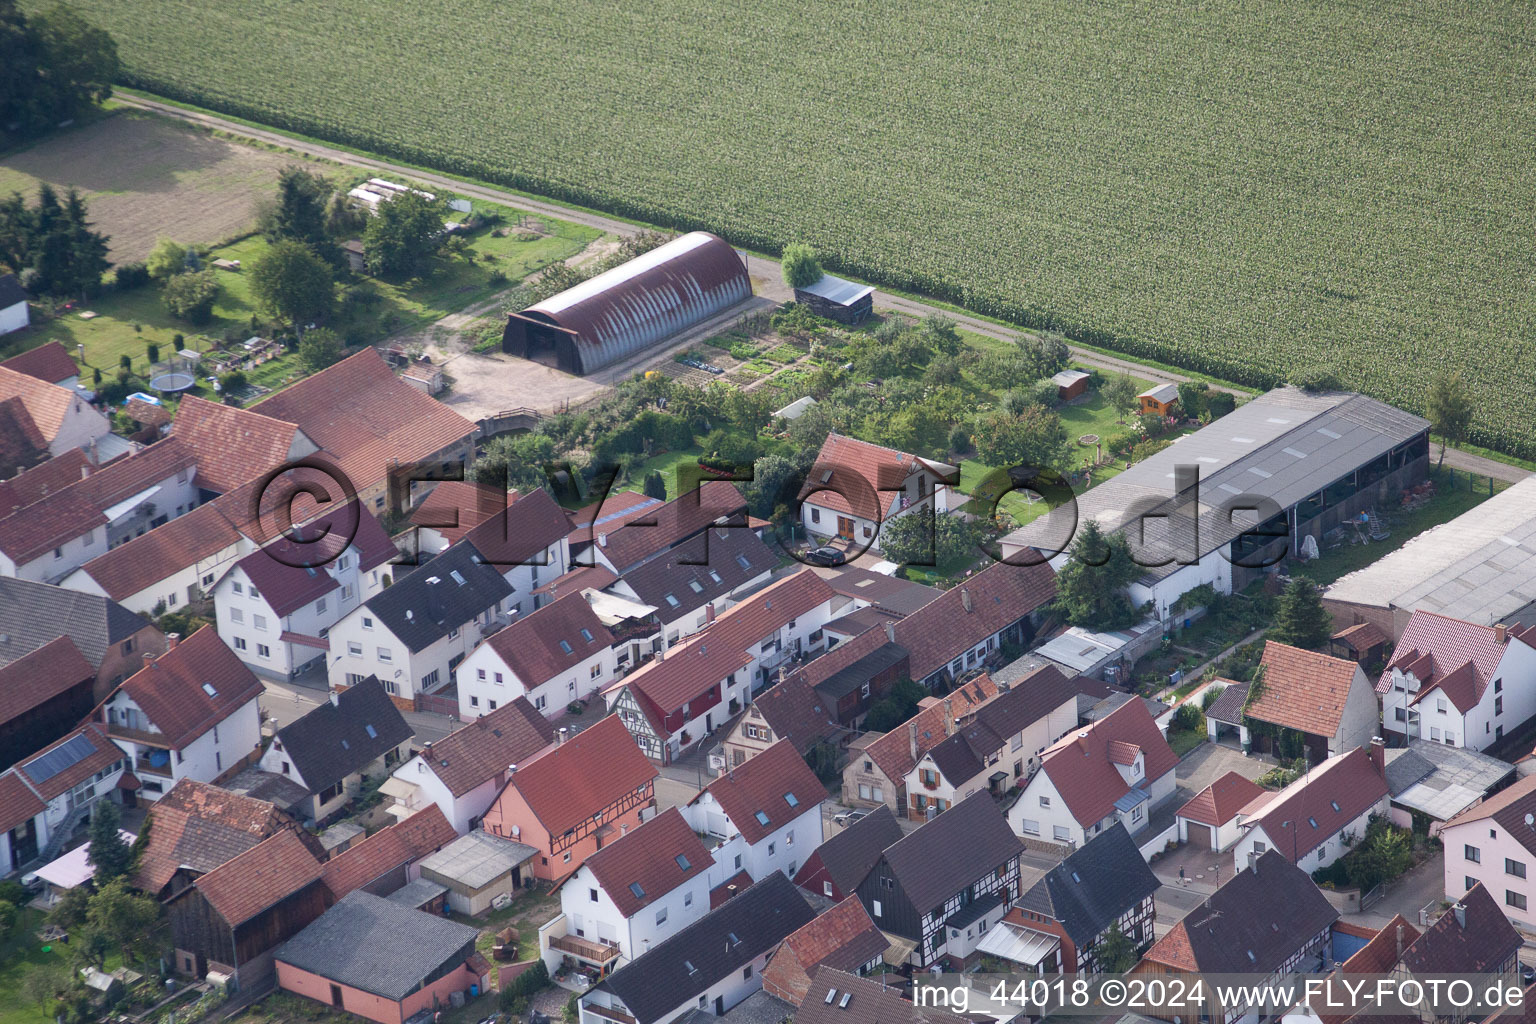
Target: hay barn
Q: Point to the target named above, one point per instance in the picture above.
(631, 307)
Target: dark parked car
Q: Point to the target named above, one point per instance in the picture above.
(825, 556)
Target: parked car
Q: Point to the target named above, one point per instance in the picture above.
(849, 817)
(825, 556)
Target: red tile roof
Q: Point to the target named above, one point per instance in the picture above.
(49, 361)
(1456, 658)
(1079, 764)
(1219, 802)
(796, 712)
(701, 661)
(999, 596)
(145, 413)
(512, 734)
(1122, 752)
(893, 751)
(767, 791)
(173, 690)
(819, 670)
(261, 877)
(18, 803)
(531, 647)
(521, 533)
(42, 480)
(201, 826)
(579, 778)
(408, 840)
(1350, 781)
(588, 577)
(103, 756)
(612, 512)
(131, 568)
(367, 419)
(457, 506)
(1361, 637)
(46, 402)
(79, 508)
(291, 573)
(647, 857)
(21, 443)
(664, 526)
(1482, 945)
(1381, 953)
(234, 446)
(858, 478)
(40, 676)
(1302, 690)
(844, 938)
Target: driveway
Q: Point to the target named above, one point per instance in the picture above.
(1210, 761)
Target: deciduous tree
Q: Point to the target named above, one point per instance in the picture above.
(1120, 392)
(1091, 587)
(1033, 437)
(402, 236)
(1448, 408)
(190, 297)
(293, 284)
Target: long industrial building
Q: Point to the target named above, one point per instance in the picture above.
(625, 310)
(1322, 459)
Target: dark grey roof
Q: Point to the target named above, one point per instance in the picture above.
(888, 593)
(416, 894)
(844, 681)
(1284, 445)
(689, 571)
(268, 786)
(976, 909)
(11, 291)
(35, 614)
(718, 944)
(386, 948)
(849, 855)
(757, 1008)
(1027, 700)
(343, 735)
(425, 606)
(945, 855)
(1094, 886)
(955, 760)
(1105, 706)
(1406, 769)
(1228, 708)
(870, 1001)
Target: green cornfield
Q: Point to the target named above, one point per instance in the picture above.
(1241, 187)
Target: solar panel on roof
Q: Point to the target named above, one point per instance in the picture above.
(66, 755)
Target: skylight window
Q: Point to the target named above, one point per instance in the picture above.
(689, 965)
(209, 690)
(672, 600)
(741, 560)
(715, 576)
(457, 577)
(682, 862)
(586, 634)
(1076, 877)
(1312, 822)
(634, 887)
(566, 646)
(372, 732)
(791, 799)
(1335, 805)
(696, 586)
(762, 818)
(345, 745)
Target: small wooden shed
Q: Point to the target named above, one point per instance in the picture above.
(1070, 384)
(847, 302)
(1159, 400)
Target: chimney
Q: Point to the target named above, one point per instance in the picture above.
(426, 750)
(335, 699)
(1253, 862)
(561, 736)
(171, 640)
(1460, 910)
(149, 659)
(1399, 942)
(890, 630)
(511, 770)
(949, 717)
(1082, 742)
(912, 739)
(602, 540)
(709, 612)
(965, 599)
(1379, 755)
(1500, 634)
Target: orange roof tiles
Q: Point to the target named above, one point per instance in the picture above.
(1220, 802)
(893, 751)
(766, 791)
(859, 478)
(1301, 817)
(18, 803)
(40, 675)
(1457, 658)
(200, 826)
(46, 402)
(104, 754)
(367, 419)
(1080, 766)
(1302, 690)
(965, 616)
(457, 506)
(530, 646)
(579, 778)
(647, 857)
(410, 839)
(131, 568)
(663, 526)
(844, 938)
(173, 691)
(481, 750)
(49, 361)
(264, 875)
(233, 446)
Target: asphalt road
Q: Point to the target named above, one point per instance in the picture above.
(764, 271)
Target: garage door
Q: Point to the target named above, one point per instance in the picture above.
(1199, 835)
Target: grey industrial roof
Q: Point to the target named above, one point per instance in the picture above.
(416, 894)
(1284, 445)
(1479, 567)
(379, 946)
(477, 859)
(1081, 650)
(835, 289)
(1441, 781)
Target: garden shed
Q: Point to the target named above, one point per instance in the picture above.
(846, 302)
(632, 307)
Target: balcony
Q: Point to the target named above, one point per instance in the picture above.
(596, 953)
(141, 766)
(609, 1013)
(122, 732)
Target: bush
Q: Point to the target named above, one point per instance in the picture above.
(534, 979)
(800, 266)
(191, 296)
(130, 276)
(1188, 718)
(234, 380)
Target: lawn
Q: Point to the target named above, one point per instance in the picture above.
(127, 322)
(667, 463)
(19, 954)
(1241, 188)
